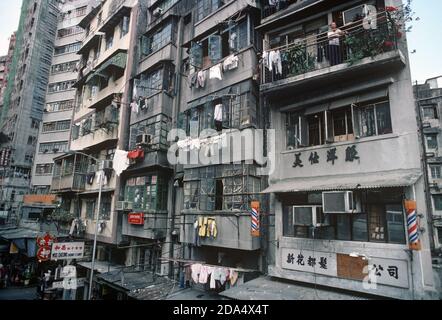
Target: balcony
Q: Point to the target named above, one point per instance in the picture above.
(233, 230)
(158, 103)
(166, 53)
(116, 11)
(103, 135)
(69, 183)
(311, 62)
(154, 227)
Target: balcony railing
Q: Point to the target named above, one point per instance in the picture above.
(316, 52)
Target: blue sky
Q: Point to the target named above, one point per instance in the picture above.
(425, 38)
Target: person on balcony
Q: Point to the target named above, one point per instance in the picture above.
(334, 44)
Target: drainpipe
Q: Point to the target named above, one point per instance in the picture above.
(123, 133)
(175, 111)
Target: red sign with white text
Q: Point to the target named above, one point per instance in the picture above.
(136, 218)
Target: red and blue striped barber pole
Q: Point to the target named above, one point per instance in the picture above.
(254, 205)
(412, 225)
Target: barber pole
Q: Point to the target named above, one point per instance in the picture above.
(412, 225)
(254, 205)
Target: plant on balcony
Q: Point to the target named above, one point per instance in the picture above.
(62, 216)
(299, 61)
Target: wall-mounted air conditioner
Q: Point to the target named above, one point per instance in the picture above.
(340, 202)
(106, 164)
(144, 140)
(124, 206)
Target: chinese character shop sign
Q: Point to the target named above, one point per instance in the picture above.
(309, 261)
(351, 155)
(44, 247)
(67, 250)
(136, 218)
(388, 272)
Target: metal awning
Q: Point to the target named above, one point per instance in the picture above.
(267, 288)
(119, 60)
(101, 266)
(374, 180)
(20, 233)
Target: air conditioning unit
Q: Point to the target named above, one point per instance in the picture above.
(124, 206)
(309, 216)
(157, 12)
(340, 202)
(144, 139)
(106, 164)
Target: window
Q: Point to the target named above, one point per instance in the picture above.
(435, 172)
(60, 146)
(32, 140)
(337, 125)
(437, 198)
(147, 192)
(223, 187)
(60, 86)
(109, 40)
(64, 67)
(124, 26)
(34, 124)
(356, 14)
(69, 31)
(44, 169)
(157, 126)
(56, 126)
(239, 111)
(431, 141)
(106, 206)
(73, 47)
(206, 7)
(439, 235)
(382, 218)
(90, 209)
(60, 106)
(429, 112)
(219, 45)
(158, 39)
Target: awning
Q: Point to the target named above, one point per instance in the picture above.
(267, 288)
(101, 266)
(138, 284)
(119, 60)
(20, 233)
(374, 180)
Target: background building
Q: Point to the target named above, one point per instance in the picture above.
(429, 102)
(25, 97)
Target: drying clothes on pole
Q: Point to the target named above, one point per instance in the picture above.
(218, 117)
(215, 72)
(201, 78)
(212, 231)
(275, 61)
(134, 107)
(265, 60)
(196, 269)
(204, 274)
(193, 80)
(233, 277)
(101, 174)
(120, 162)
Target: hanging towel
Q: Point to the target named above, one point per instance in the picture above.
(201, 78)
(218, 114)
(196, 269)
(275, 61)
(233, 277)
(134, 107)
(215, 72)
(120, 162)
(203, 275)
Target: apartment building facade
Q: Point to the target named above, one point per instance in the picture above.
(55, 127)
(25, 96)
(100, 120)
(429, 103)
(347, 149)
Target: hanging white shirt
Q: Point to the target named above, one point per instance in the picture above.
(134, 107)
(121, 161)
(215, 72)
(218, 114)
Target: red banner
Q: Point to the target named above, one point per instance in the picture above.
(136, 218)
